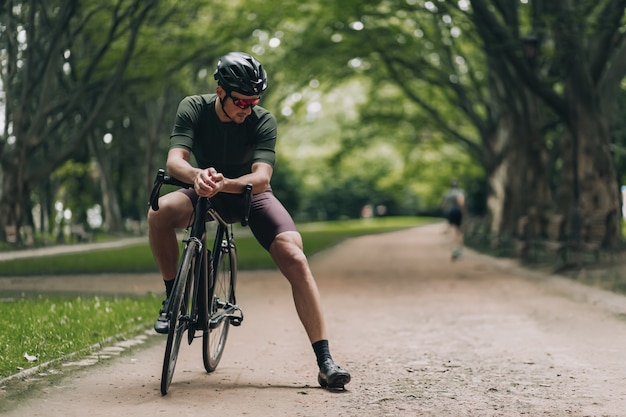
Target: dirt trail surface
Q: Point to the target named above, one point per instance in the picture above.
(421, 335)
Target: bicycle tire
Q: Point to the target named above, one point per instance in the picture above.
(222, 288)
(180, 307)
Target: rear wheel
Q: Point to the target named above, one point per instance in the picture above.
(221, 301)
(179, 313)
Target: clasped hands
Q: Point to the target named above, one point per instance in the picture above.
(208, 182)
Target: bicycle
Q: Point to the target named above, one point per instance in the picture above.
(203, 296)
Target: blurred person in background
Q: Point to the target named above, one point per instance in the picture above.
(453, 205)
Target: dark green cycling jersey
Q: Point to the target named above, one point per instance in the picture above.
(230, 148)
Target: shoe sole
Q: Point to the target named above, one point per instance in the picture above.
(338, 382)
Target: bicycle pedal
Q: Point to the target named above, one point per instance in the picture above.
(236, 321)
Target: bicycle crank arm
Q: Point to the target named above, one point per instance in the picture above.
(233, 313)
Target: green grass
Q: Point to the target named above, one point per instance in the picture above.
(51, 327)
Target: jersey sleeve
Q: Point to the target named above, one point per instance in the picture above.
(183, 130)
(266, 143)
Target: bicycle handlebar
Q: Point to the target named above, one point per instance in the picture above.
(161, 179)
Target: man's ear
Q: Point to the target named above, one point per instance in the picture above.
(220, 91)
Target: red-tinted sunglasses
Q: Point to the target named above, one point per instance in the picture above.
(244, 103)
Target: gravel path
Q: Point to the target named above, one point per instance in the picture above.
(422, 336)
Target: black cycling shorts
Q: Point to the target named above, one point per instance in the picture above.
(455, 217)
(268, 217)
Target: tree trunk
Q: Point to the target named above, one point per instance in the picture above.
(156, 117)
(519, 181)
(592, 195)
(112, 213)
(11, 210)
(519, 166)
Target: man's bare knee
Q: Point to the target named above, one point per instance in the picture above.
(175, 210)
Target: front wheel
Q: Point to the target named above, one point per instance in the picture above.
(178, 316)
(222, 276)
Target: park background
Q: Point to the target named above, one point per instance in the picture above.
(380, 105)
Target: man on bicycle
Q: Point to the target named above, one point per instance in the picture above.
(233, 140)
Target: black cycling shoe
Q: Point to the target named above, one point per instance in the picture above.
(162, 324)
(332, 376)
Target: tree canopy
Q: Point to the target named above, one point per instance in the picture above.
(378, 103)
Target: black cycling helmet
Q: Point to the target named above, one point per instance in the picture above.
(242, 73)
